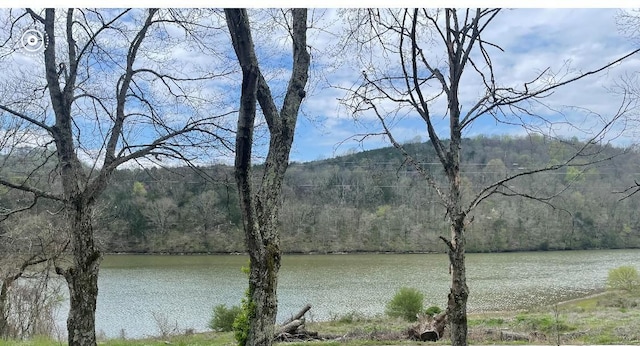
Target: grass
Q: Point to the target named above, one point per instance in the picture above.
(608, 318)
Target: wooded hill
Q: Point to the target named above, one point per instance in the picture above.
(373, 201)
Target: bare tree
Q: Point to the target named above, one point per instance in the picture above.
(28, 248)
(260, 209)
(100, 90)
(161, 213)
(429, 58)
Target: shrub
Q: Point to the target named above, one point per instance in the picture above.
(223, 318)
(624, 278)
(241, 324)
(350, 317)
(544, 323)
(433, 310)
(407, 303)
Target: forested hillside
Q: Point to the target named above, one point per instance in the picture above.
(371, 201)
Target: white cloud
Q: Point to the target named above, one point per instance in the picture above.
(567, 42)
(564, 40)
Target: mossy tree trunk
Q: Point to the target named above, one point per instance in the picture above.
(260, 209)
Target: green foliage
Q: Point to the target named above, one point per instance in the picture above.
(241, 324)
(224, 317)
(573, 175)
(407, 303)
(624, 278)
(433, 310)
(543, 323)
(349, 317)
(494, 322)
(138, 189)
(622, 303)
(486, 322)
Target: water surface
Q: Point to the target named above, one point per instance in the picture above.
(184, 289)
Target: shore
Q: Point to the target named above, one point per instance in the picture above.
(603, 318)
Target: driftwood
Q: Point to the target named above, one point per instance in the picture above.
(293, 329)
(428, 328)
(299, 315)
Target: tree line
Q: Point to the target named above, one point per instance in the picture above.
(373, 201)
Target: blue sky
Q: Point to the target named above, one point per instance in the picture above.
(564, 40)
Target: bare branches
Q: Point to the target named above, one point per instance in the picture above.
(83, 115)
(576, 159)
(629, 191)
(508, 96)
(25, 117)
(123, 86)
(461, 36)
(416, 164)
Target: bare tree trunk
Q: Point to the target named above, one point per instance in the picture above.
(263, 283)
(82, 279)
(260, 211)
(457, 303)
(4, 308)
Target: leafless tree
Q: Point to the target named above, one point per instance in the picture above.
(102, 88)
(28, 248)
(260, 209)
(160, 213)
(430, 57)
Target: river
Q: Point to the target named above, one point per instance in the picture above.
(138, 291)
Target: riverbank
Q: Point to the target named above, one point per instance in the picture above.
(605, 318)
(354, 252)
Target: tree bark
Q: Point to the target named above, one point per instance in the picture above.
(4, 313)
(457, 302)
(260, 210)
(82, 275)
(82, 279)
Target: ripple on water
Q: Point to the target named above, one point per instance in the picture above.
(186, 288)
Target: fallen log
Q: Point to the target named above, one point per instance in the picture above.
(428, 328)
(293, 329)
(299, 315)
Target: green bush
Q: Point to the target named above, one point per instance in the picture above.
(624, 278)
(407, 303)
(544, 323)
(223, 317)
(433, 310)
(241, 324)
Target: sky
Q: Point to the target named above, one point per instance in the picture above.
(565, 41)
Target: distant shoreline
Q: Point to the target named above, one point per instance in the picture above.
(312, 253)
